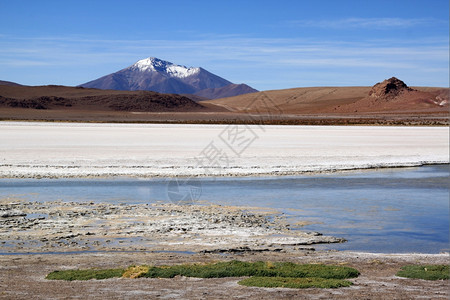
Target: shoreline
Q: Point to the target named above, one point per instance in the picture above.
(24, 273)
(59, 226)
(318, 122)
(227, 118)
(274, 174)
(408, 255)
(71, 228)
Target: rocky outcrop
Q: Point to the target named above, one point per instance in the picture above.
(393, 95)
(389, 89)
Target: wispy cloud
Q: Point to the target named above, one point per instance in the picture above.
(22, 63)
(266, 63)
(365, 23)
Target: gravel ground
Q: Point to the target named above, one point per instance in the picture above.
(23, 277)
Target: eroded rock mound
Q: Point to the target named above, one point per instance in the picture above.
(389, 89)
(393, 95)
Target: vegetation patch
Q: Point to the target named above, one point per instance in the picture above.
(261, 269)
(135, 271)
(262, 274)
(428, 272)
(296, 283)
(84, 274)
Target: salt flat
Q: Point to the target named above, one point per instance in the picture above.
(35, 149)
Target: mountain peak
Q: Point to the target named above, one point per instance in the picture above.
(154, 74)
(153, 64)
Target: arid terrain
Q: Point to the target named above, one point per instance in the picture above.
(390, 102)
(388, 97)
(79, 99)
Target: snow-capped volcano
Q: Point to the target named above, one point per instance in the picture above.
(153, 74)
(153, 64)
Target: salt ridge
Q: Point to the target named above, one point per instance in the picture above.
(157, 150)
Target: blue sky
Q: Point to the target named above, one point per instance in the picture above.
(266, 44)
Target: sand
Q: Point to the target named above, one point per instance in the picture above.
(39, 149)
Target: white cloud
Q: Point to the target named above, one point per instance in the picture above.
(239, 59)
(22, 63)
(372, 23)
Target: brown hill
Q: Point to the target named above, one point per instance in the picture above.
(226, 91)
(389, 103)
(389, 96)
(3, 82)
(62, 97)
(394, 95)
(293, 101)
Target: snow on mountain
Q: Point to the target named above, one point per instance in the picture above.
(157, 65)
(154, 74)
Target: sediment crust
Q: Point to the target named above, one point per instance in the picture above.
(86, 226)
(60, 150)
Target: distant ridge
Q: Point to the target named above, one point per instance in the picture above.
(226, 91)
(53, 97)
(10, 83)
(393, 94)
(390, 102)
(154, 74)
(390, 95)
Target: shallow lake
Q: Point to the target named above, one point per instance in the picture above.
(386, 210)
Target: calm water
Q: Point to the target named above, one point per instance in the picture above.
(390, 210)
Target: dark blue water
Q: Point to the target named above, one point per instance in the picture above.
(388, 210)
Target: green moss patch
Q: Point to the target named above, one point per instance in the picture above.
(84, 274)
(428, 272)
(263, 274)
(260, 269)
(297, 283)
(135, 271)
